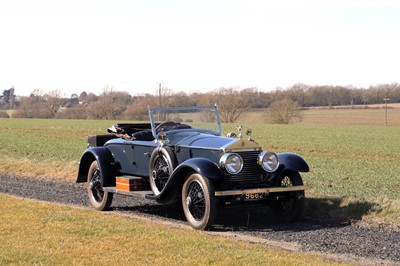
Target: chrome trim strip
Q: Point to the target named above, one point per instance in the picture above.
(199, 148)
(216, 149)
(260, 190)
(141, 193)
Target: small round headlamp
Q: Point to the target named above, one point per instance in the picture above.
(231, 162)
(268, 161)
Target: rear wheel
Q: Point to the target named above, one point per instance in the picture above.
(99, 199)
(288, 206)
(198, 201)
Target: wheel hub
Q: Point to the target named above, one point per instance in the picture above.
(188, 201)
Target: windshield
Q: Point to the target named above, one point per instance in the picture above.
(196, 117)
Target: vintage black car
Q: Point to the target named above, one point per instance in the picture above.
(182, 155)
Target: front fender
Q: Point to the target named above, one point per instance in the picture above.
(202, 166)
(106, 163)
(174, 185)
(293, 162)
(289, 161)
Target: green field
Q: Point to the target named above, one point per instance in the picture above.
(353, 160)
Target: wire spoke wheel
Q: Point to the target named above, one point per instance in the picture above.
(286, 182)
(198, 201)
(195, 201)
(161, 172)
(288, 206)
(287, 202)
(99, 199)
(162, 164)
(95, 186)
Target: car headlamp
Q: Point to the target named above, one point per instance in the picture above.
(268, 161)
(231, 162)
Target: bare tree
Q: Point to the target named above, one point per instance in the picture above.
(53, 101)
(138, 109)
(109, 105)
(230, 103)
(181, 99)
(34, 106)
(106, 104)
(283, 112)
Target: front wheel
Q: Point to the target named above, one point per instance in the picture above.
(288, 206)
(198, 201)
(99, 199)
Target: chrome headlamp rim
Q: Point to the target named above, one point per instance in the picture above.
(271, 164)
(226, 162)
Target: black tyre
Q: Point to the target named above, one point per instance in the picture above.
(288, 206)
(99, 199)
(162, 164)
(198, 202)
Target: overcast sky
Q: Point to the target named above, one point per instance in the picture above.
(201, 45)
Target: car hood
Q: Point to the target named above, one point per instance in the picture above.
(208, 141)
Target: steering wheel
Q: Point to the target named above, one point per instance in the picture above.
(165, 126)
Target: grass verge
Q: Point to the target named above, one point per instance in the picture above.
(50, 169)
(37, 233)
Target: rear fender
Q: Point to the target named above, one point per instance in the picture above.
(174, 185)
(106, 163)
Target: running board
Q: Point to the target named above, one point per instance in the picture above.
(259, 190)
(142, 193)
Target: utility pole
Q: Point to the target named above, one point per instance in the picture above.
(386, 100)
(159, 93)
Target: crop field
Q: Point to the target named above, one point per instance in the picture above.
(368, 116)
(348, 160)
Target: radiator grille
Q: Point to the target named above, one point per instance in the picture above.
(250, 172)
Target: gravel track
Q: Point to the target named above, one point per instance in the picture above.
(351, 241)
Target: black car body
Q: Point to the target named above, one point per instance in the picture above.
(191, 161)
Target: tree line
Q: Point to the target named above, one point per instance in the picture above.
(111, 104)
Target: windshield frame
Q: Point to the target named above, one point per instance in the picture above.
(153, 112)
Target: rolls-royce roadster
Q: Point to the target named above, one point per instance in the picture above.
(181, 156)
